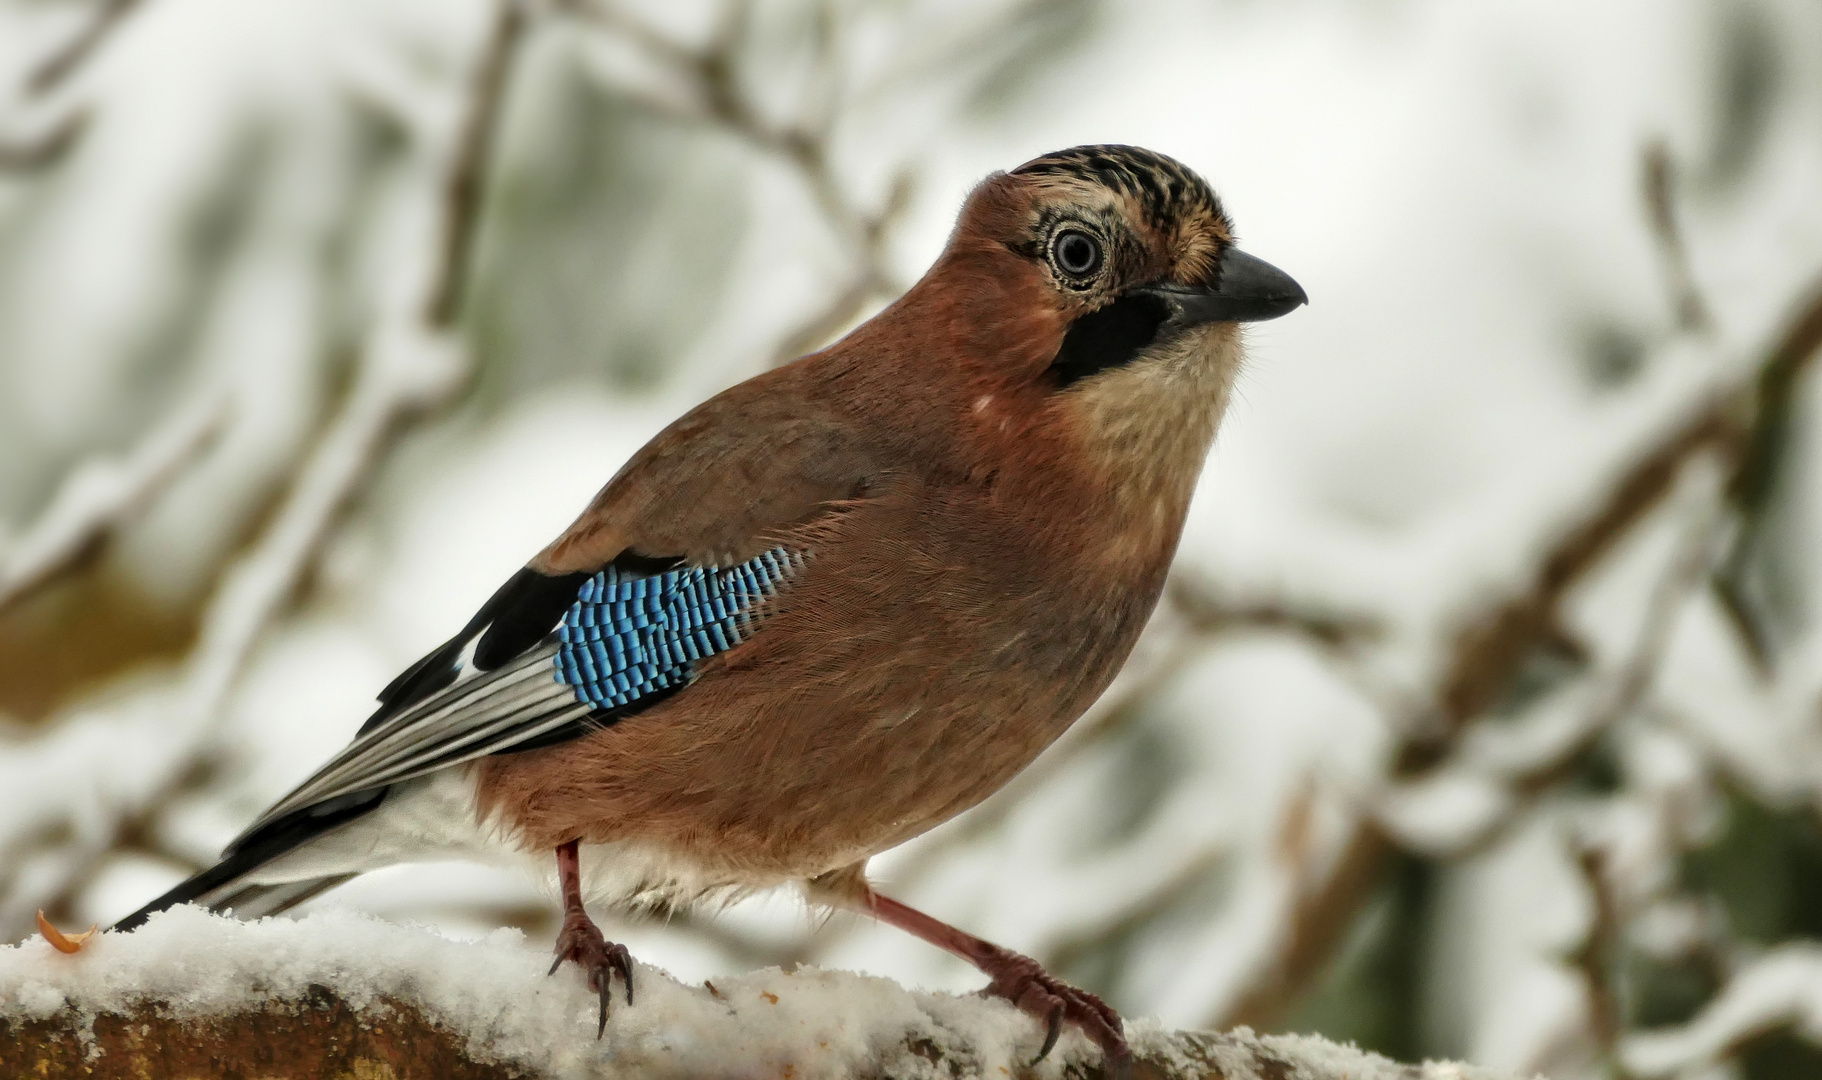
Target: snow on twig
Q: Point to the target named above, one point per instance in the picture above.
(465, 187)
(713, 94)
(1779, 989)
(102, 494)
(1498, 770)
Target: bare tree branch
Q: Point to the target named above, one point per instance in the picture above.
(402, 373)
(1598, 957)
(1772, 400)
(1658, 179)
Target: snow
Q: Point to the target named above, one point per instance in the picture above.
(1782, 987)
(496, 991)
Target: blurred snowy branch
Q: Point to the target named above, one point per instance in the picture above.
(19, 155)
(1490, 649)
(465, 187)
(1520, 760)
(100, 495)
(1782, 988)
(711, 91)
(408, 366)
(57, 68)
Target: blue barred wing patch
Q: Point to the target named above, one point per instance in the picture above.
(627, 636)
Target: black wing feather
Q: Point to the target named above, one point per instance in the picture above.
(515, 618)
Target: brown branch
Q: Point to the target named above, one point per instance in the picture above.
(465, 189)
(1320, 920)
(1658, 181)
(320, 1034)
(318, 1006)
(1755, 483)
(1597, 958)
(54, 69)
(1489, 651)
(1210, 613)
(324, 1034)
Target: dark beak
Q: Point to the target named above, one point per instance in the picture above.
(1248, 290)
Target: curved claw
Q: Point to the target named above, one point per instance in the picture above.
(581, 941)
(1054, 1032)
(623, 963)
(1020, 980)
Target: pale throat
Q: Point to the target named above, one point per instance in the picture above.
(1146, 428)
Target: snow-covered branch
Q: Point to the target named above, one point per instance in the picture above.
(347, 994)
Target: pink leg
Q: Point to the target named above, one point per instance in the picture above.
(1019, 979)
(580, 939)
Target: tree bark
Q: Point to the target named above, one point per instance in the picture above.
(322, 1036)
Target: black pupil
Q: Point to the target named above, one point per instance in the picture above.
(1076, 253)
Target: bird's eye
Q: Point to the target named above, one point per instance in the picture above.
(1076, 253)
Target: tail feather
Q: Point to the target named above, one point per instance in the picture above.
(258, 901)
(221, 887)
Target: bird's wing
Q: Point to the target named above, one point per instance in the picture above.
(559, 650)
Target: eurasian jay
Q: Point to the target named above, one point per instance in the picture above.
(832, 606)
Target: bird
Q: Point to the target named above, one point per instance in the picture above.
(831, 607)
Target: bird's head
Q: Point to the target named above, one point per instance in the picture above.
(1129, 249)
(1091, 297)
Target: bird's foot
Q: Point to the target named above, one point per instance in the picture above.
(580, 941)
(1022, 981)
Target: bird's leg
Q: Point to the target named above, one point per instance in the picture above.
(1017, 978)
(580, 939)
